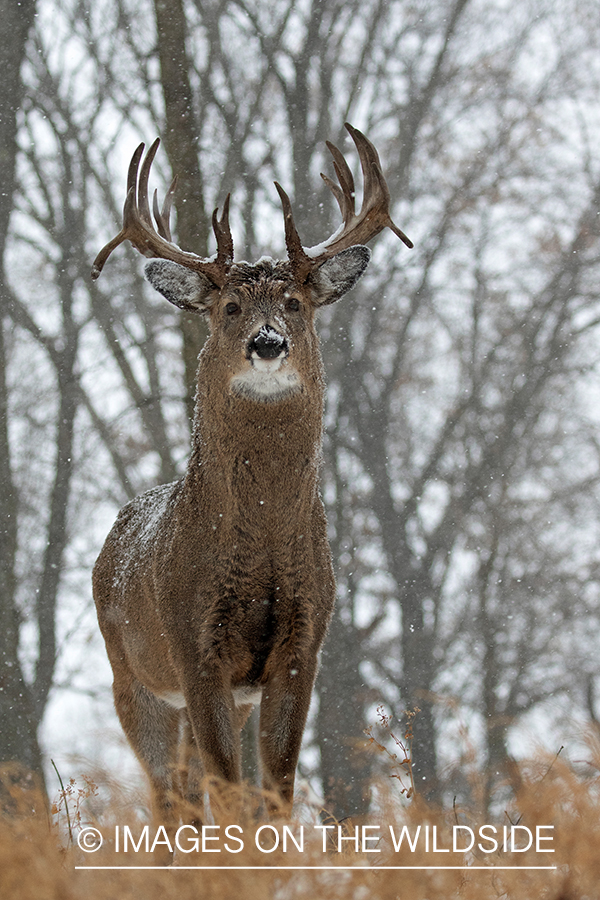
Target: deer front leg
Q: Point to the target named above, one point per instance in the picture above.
(191, 772)
(283, 712)
(212, 714)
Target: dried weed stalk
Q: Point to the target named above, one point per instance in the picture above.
(403, 770)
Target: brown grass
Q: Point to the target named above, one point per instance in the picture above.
(38, 859)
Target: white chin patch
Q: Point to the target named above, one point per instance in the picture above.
(266, 379)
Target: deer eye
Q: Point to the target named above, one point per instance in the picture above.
(293, 304)
(232, 309)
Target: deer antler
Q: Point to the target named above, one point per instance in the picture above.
(139, 229)
(358, 228)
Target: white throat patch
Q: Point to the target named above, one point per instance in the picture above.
(266, 379)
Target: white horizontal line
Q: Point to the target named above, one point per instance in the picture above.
(324, 868)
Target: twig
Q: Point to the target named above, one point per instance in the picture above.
(64, 794)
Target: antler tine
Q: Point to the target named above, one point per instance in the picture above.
(374, 182)
(223, 235)
(338, 194)
(301, 264)
(344, 194)
(163, 228)
(139, 229)
(143, 205)
(132, 172)
(163, 216)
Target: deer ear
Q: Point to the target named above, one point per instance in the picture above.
(337, 275)
(183, 287)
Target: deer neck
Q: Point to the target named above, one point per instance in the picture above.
(240, 444)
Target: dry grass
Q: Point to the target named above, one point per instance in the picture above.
(38, 860)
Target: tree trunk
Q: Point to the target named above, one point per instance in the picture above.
(345, 768)
(18, 737)
(181, 139)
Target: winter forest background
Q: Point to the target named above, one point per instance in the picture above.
(462, 452)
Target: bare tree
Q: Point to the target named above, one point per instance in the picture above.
(500, 353)
(18, 738)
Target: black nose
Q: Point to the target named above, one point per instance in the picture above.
(268, 343)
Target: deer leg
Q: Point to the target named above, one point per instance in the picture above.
(191, 771)
(283, 712)
(213, 716)
(152, 728)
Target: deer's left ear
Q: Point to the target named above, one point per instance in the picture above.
(337, 275)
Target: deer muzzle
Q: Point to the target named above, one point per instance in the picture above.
(268, 344)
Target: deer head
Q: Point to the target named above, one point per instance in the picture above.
(259, 310)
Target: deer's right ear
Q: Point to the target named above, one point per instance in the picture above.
(183, 287)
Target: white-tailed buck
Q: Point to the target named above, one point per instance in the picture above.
(214, 593)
